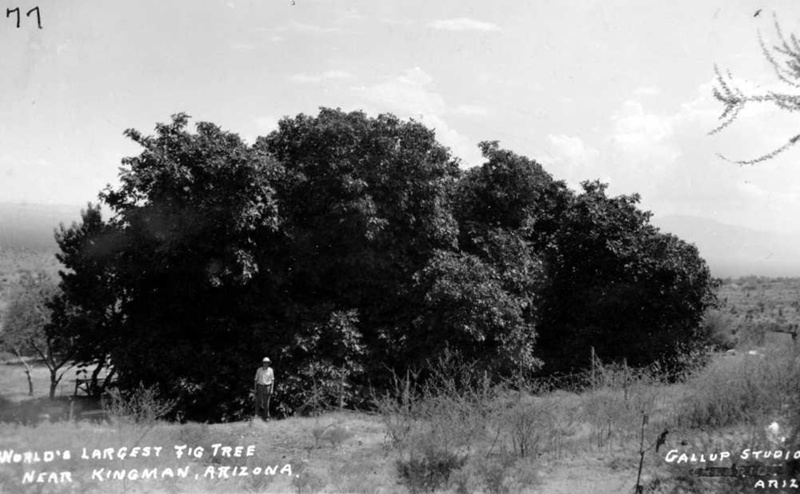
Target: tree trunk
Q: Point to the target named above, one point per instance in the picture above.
(54, 379)
(108, 379)
(94, 387)
(341, 389)
(30, 380)
(27, 372)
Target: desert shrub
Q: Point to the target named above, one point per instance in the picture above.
(751, 333)
(718, 328)
(605, 412)
(500, 473)
(621, 395)
(559, 437)
(337, 435)
(483, 473)
(332, 433)
(639, 387)
(494, 473)
(460, 428)
(456, 401)
(451, 422)
(431, 424)
(309, 392)
(143, 405)
(452, 405)
(365, 474)
(429, 469)
(398, 409)
(527, 426)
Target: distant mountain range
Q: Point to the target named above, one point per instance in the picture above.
(731, 251)
(31, 226)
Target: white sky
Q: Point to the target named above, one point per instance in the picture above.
(609, 89)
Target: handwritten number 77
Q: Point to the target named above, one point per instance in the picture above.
(27, 14)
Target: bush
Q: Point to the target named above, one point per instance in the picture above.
(143, 405)
(619, 398)
(365, 474)
(527, 426)
(452, 406)
(753, 333)
(397, 410)
(429, 471)
(332, 433)
(442, 430)
(496, 474)
(718, 328)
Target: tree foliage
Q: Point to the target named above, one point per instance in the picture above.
(616, 283)
(348, 248)
(87, 309)
(364, 203)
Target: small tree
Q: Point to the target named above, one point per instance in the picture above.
(13, 342)
(28, 330)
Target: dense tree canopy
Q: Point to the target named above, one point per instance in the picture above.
(347, 248)
(619, 285)
(364, 203)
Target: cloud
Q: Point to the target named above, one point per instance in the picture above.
(410, 95)
(407, 94)
(349, 15)
(632, 125)
(301, 28)
(463, 24)
(260, 126)
(646, 91)
(329, 75)
(472, 110)
(506, 79)
(571, 159)
(572, 148)
(416, 76)
(669, 158)
(641, 143)
(266, 124)
(242, 46)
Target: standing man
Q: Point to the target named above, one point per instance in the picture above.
(265, 380)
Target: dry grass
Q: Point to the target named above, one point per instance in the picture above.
(480, 438)
(743, 389)
(357, 464)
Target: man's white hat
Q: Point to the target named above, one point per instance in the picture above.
(266, 359)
